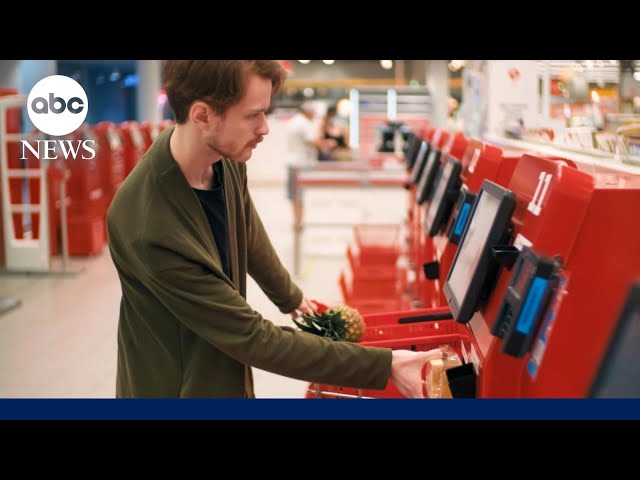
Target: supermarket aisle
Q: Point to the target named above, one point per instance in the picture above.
(61, 343)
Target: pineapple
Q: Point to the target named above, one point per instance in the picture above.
(337, 323)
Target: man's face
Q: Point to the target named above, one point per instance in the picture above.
(236, 133)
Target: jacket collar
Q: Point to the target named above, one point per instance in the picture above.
(181, 196)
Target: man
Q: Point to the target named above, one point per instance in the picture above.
(304, 137)
(183, 234)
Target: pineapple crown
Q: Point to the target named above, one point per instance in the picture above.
(336, 323)
(328, 324)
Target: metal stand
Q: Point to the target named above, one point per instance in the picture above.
(334, 175)
(28, 255)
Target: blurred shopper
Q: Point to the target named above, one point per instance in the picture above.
(454, 120)
(184, 233)
(303, 136)
(336, 136)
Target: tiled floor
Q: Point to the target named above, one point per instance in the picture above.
(61, 341)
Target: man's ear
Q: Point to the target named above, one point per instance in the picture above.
(200, 114)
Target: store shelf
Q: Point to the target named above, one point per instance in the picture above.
(590, 161)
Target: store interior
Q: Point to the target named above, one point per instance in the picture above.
(485, 206)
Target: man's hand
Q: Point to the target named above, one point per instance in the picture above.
(306, 306)
(406, 370)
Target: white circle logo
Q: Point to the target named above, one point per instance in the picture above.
(57, 105)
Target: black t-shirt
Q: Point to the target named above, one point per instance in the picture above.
(215, 207)
(340, 141)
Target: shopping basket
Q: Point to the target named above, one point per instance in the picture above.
(392, 301)
(377, 243)
(421, 336)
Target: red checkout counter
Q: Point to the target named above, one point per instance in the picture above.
(461, 178)
(539, 275)
(535, 290)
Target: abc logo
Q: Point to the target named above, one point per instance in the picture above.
(57, 105)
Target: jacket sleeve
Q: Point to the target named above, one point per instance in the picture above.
(263, 263)
(206, 304)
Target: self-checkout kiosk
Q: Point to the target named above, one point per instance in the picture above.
(540, 272)
(455, 192)
(410, 147)
(437, 168)
(534, 293)
(456, 186)
(421, 176)
(415, 161)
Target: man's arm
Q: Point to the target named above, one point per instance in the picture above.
(209, 306)
(263, 263)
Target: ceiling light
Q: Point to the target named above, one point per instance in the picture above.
(455, 65)
(386, 64)
(328, 62)
(304, 61)
(343, 107)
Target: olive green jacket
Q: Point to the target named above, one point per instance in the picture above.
(185, 328)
